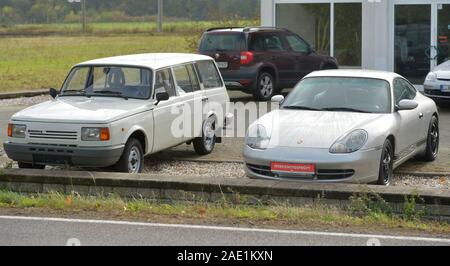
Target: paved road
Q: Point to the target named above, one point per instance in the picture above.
(231, 148)
(58, 231)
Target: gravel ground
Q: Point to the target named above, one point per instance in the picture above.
(24, 100)
(236, 170)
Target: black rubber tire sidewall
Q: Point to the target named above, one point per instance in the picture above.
(257, 93)
(199, 144)
(122, 164)
(381, 181)
(429, 156)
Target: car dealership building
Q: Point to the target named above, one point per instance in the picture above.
(407, 36)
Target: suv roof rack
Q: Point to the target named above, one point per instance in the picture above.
(264, 28)
(223, 28)
(246, 29)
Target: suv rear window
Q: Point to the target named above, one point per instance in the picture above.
(223, 42)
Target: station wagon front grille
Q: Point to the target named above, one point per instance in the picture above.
(51, 134)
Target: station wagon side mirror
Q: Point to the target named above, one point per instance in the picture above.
(278, 99)
(406, 105)
(53, 92)
(161, 96)
(312, 50)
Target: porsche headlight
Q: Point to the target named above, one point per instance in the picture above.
(351, 142)
(257, 137)
(431, 77)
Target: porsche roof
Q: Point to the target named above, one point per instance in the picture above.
(153, 61)
(357, 73)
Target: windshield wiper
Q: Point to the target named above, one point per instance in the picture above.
(79, 92)
(345, 109)
(298, 107)
(111, 92)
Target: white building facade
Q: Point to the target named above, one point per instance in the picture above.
(406, 36)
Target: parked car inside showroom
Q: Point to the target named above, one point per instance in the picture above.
(262, 60)
(343, 126)
(437, 82)
(114, 111)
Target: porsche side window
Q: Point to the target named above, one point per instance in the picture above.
(403, 91)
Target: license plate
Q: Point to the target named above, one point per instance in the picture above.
(298, 168)
(51, 159)
(445, 88)
(222, 64)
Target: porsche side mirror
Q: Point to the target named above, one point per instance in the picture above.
(53, 92)
(277, 99)
(407, 105)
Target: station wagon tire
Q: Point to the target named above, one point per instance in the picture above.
(432, 148)
(132, 159)
(386, 171)
(265, 87)
(23, 165)
(205, 144)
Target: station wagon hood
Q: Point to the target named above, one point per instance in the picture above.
(94, 110)
(311, 129)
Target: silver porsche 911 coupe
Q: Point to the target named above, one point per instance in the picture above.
(343, 126)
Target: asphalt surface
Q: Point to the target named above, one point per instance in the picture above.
(58, 232)
(231, 148)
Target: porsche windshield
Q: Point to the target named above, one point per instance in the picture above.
(340, 94)
(111, 81)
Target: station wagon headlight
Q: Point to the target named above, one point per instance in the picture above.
(351, 142)
(431, 77)
(95, 134)
(257, 137)
(16, 131)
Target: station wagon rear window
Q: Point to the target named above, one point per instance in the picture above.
(111, 81)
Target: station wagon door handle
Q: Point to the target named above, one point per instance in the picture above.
(420, 115)
(205, 99)
(180, 105)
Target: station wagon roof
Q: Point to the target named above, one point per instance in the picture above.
(153, 61)
(357, 73)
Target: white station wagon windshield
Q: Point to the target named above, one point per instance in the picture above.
(344, 94)
(113, 81)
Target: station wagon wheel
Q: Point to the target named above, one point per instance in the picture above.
(432, 146)
(205, 144)
(265, 87)
(132, 159)
(386, 164)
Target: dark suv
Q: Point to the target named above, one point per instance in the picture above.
(261, 60)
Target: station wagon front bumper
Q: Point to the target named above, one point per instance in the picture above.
(63, 154)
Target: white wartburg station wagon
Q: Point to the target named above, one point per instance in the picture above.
(114, 111)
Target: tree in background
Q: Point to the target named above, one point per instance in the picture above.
(57, 11)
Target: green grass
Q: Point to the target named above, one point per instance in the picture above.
(43, 62)
(38, 62)
(272, 215)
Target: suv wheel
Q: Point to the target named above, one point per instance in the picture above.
(205, 144)
(265, 87)
(132, 159)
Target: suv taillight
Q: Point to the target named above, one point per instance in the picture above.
(246, 58)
